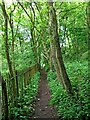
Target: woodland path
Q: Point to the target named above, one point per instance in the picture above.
(42, 108)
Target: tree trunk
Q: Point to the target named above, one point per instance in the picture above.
(13, 40)
(1, 99)
(6, 40)
(7, 49)
(4, 97)
(56, 50)
(17, 85)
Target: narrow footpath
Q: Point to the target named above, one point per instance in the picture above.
(42, 108)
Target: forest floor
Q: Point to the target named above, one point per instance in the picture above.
(42, 107)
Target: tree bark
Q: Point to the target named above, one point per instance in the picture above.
(17, 85)
(7, 49)
(56, 50)
(1, 99)
(6, 40)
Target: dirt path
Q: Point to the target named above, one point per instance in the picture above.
(42, 108)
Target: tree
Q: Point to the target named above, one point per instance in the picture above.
(56, 50)
(6, 18)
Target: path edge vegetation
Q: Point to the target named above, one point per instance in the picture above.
(45, 44)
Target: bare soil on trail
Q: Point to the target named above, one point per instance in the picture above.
(42, 108)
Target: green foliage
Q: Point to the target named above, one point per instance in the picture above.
(24, 107)
(76, 107)
(85, 55)
(26, 57)
(73, 33)
(72, 27)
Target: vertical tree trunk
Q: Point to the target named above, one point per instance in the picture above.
(50, 63)
(25, 81)
(33, 33)
(11, 25)
(1, 99)
(56, 50)
(13, 40)
(34, 43)
(17, 85)
(6, 40)
(4, 98)
(7, 49)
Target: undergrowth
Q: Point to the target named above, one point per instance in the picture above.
(24, 107)
(77, 107)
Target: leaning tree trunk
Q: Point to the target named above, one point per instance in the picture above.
(56, 50)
